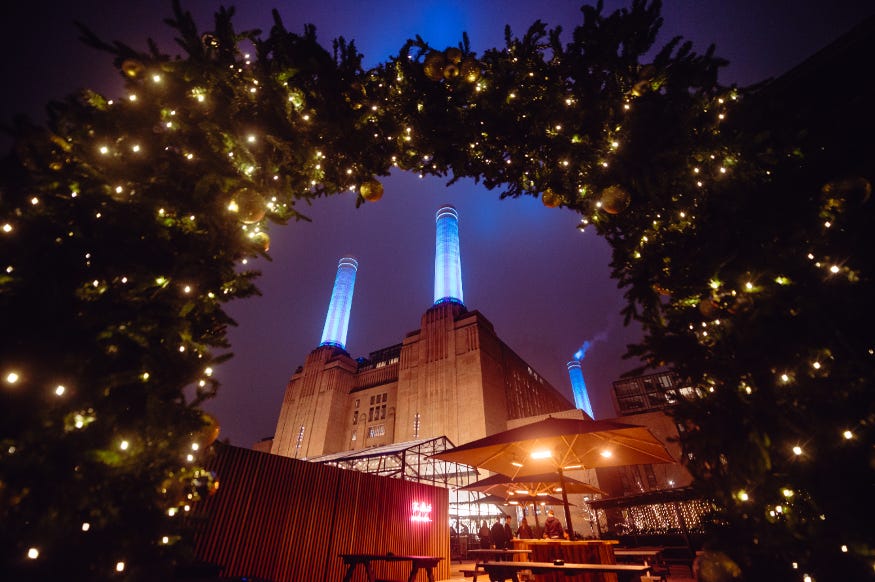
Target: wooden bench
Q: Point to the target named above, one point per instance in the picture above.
(502, 571)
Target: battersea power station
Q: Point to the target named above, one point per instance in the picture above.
(452, 377)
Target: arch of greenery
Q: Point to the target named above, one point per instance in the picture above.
(738, 240)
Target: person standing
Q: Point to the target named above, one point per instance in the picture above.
(553, 527)
(508, 532)
(485, 541)
(524, 532)
(499, 541)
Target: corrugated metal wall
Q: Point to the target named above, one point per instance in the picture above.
(287, 520)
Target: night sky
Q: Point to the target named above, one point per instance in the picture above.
(543, 284)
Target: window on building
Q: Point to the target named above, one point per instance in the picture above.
(385, 396)
(299, 441)
(354, 437)
(383, 411)
(370, 414)
(372, 400)
(356, 403)
(355, 418)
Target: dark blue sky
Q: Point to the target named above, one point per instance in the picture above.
(543, 284)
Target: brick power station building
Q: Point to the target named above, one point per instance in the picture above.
(452, 377)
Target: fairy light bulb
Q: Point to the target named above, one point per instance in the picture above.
(848, 435)
(124, 445)
(86, 526)
(59, 390)
(119, 566)
(12, 377)
(797, 450)
(33, 553)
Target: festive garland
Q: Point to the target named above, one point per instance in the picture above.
(125, 222)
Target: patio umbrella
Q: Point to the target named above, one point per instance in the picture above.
(491, 499)
(532, 484)
(560, 444)
(535, 500)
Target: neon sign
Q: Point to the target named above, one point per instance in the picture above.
(420, 511)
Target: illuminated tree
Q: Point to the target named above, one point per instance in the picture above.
(739, 239)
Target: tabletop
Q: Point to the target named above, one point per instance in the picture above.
(426, 563)
(499, 571)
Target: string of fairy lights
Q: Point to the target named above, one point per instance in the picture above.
(241, 140)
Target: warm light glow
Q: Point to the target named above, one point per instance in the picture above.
(59, 390)
(542, 454)
(12, 377)
(844, 548)
(33, 553)
(797, 450)
(165, 540)
(86, 526)
(420, 512)
(124, 445)
(742, 495)
(120, 567)
(516, 463)
(607, 454)
(848, 435)
(787, 493)
(195, 446)
(7, 227)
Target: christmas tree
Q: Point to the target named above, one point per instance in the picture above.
(738, 229)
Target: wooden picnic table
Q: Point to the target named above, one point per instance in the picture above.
(426, 563)
(646, 555)
(500, 554)
(502, 571)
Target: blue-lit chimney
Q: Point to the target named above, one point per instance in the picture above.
(337, 320)
(447, 258)
(578, 387)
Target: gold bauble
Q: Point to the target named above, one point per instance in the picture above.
(209, 432)
(550, 199)
(451, 71)
(132, 68)
(709, 308)
(855, 189)
(249, 205)
(453, 55)
(470, 70)
(433, 67)
(262, 239)
(615, 199)
(371, 190)
(210, 40)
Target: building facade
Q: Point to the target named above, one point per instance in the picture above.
(452, 377)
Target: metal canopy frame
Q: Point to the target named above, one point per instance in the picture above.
(410, 461)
